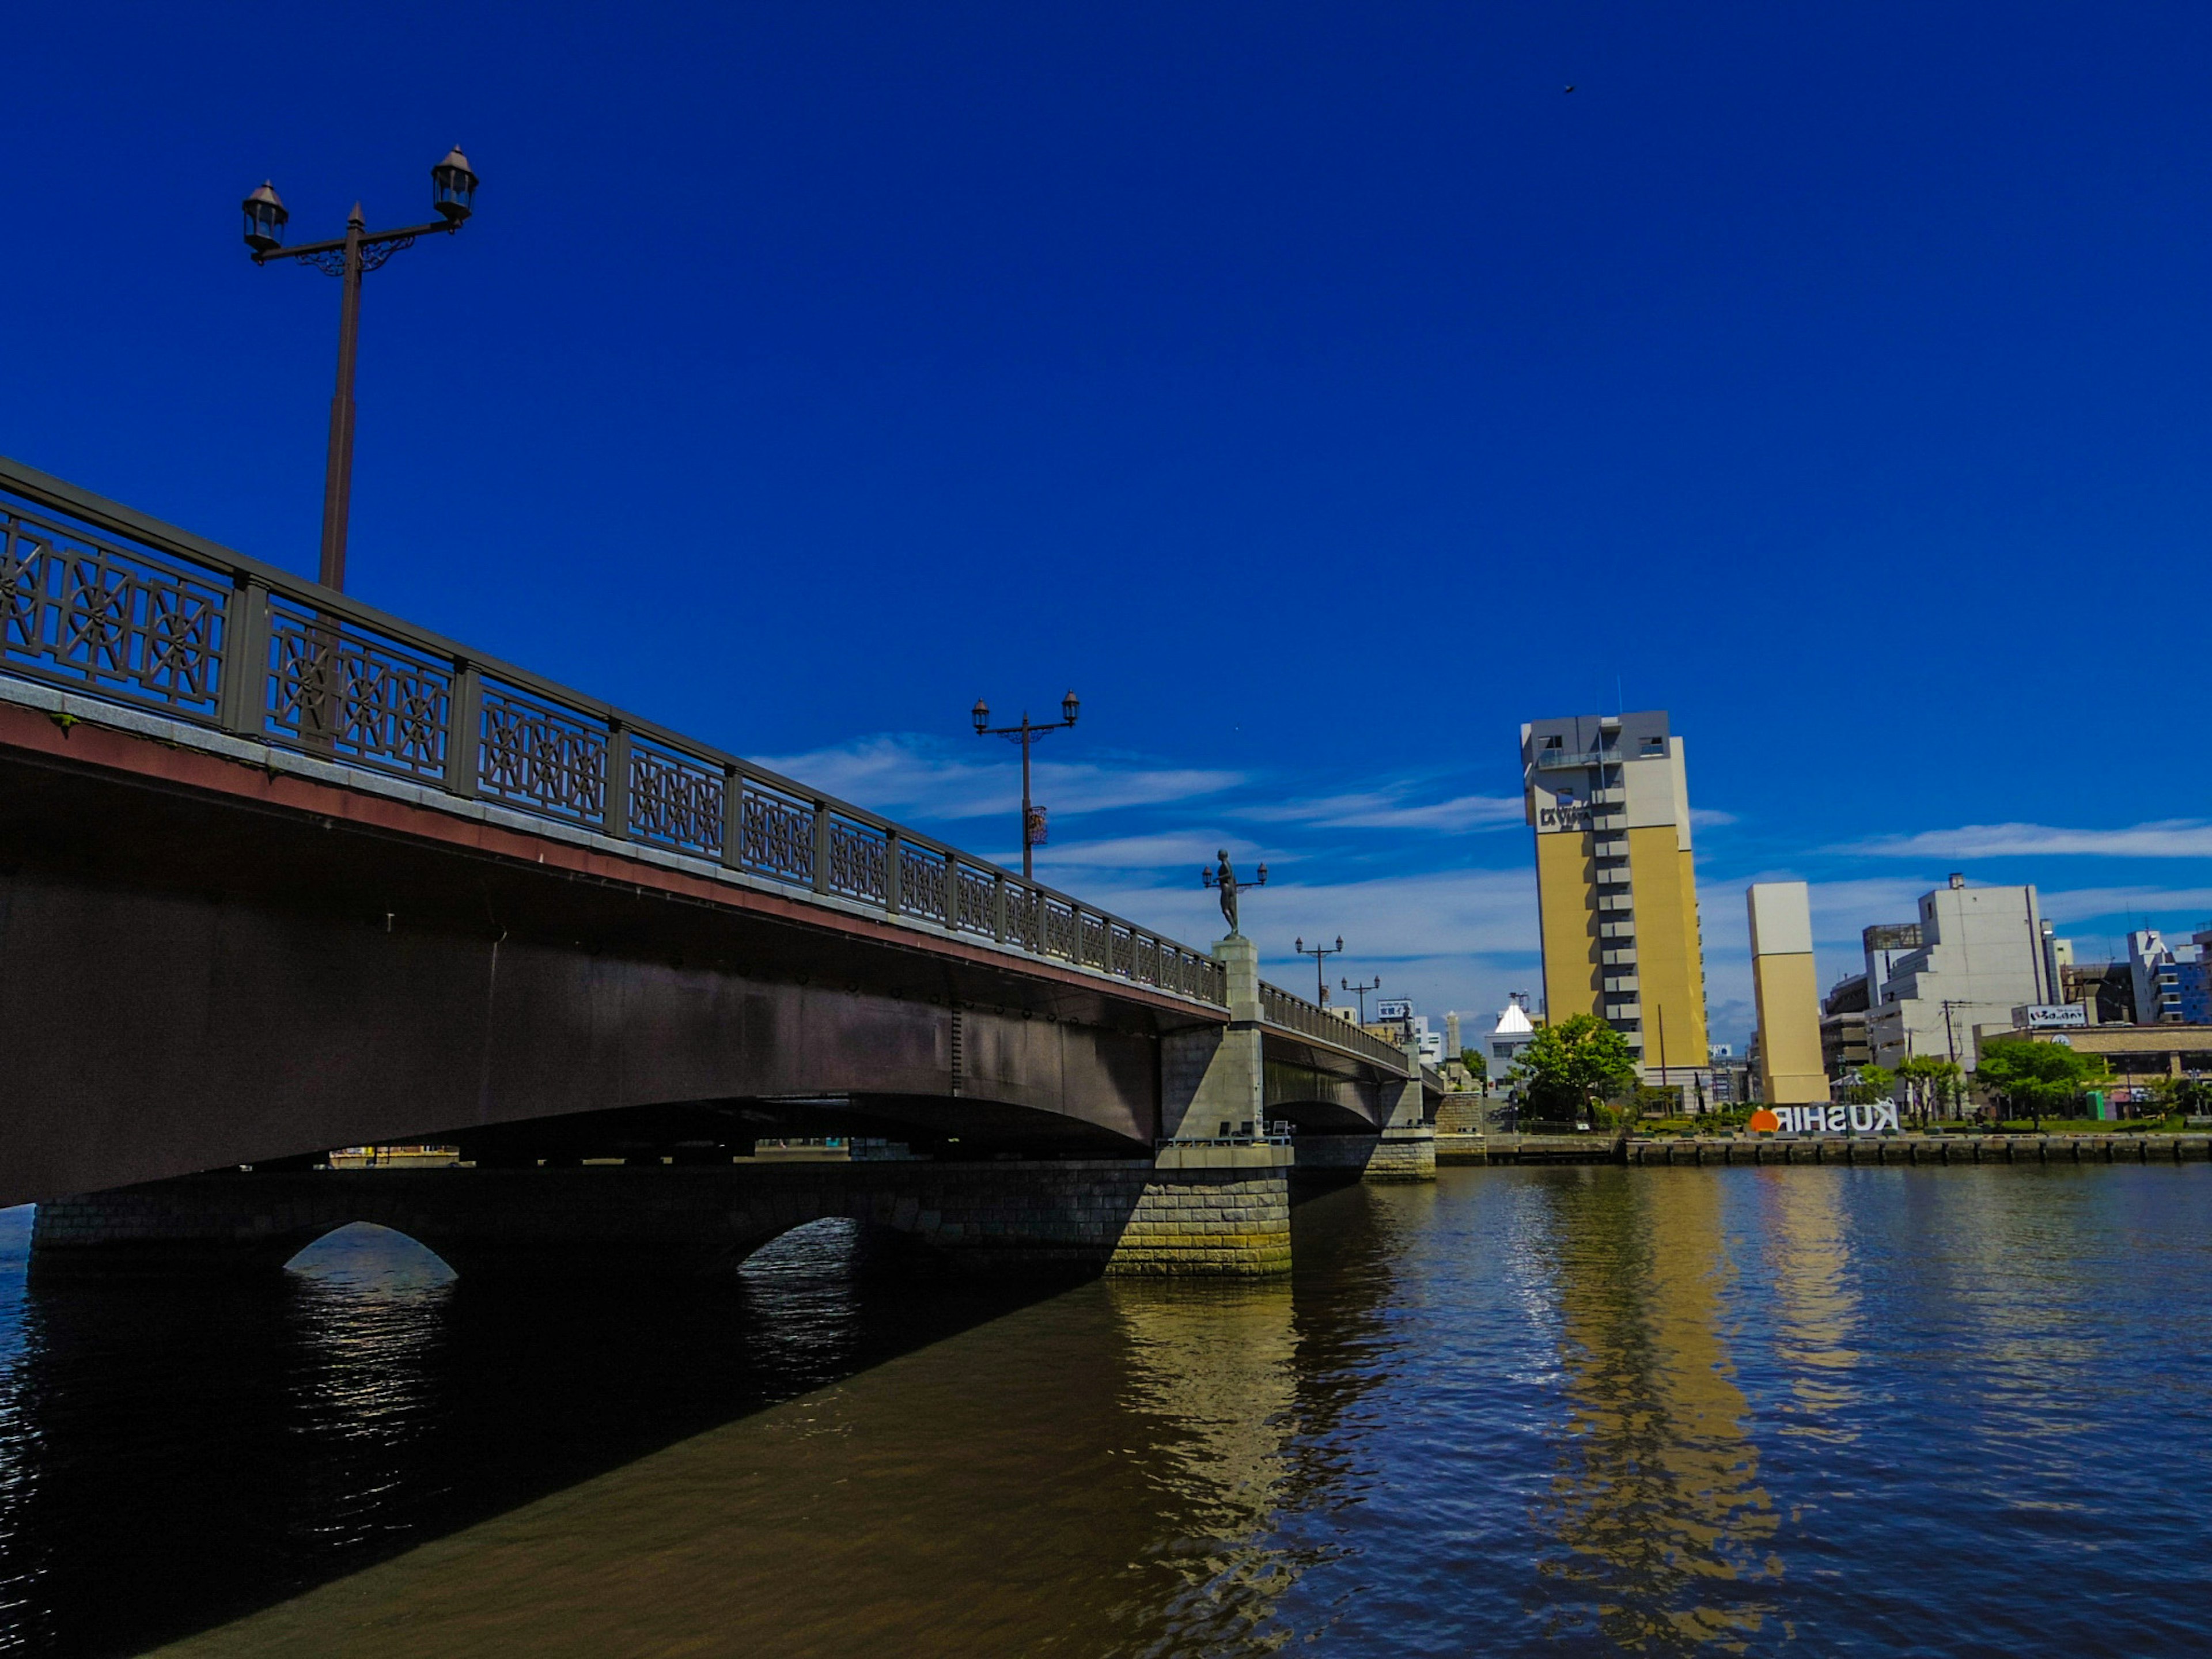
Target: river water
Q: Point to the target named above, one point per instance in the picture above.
(1869, 1410)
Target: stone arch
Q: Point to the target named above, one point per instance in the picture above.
(324, 1236)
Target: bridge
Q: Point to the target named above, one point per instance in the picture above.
(280, 873)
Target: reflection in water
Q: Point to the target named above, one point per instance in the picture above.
(1212, 1367)
(367, 1307)
(1662, 1526)
(1876, 1410)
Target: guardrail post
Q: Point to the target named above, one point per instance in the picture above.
(465, 731)
(734, 818)
(890, 871)
(614, 814)
(243, 696)
(821, 845)
(998, 909)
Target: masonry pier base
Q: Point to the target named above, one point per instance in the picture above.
(1202, 1211)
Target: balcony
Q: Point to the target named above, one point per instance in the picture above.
(1615, 902)
(1624, 929)
(1624, 1011)
(1559, 760)
(1619, 958)
(1615, 847)
(1608, 798)
(1612, 875)
(1618, 983)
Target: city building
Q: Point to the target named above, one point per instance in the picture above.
(2136, 1056)
(1786, 992)
(1981, 955)
(2106, 988)
(1617, 898)
(1843, 1028)
(2168, 981)
(1513, 1032)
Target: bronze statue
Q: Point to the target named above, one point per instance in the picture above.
(1224, 878)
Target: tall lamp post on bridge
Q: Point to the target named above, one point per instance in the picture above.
(1321, 954)
(1361, 990)
(453, 194)
(1026, 734)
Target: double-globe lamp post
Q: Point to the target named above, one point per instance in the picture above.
(1026, 734)
(453, 194)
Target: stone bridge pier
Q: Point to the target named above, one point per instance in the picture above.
(1200, 1211)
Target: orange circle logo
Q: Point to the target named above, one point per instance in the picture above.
(1765, 1121)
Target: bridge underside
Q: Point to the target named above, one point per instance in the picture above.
(204, 966)
(191, 980)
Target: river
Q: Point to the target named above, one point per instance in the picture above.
(1867, 1410)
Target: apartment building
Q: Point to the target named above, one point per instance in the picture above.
(1609, 798)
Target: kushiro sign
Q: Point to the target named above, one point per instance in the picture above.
(1826, 1120)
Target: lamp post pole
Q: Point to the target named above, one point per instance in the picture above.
(1361, 990)
(1033, 829)
(454, 188)
(1321, 954)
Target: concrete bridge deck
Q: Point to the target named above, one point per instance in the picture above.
(279, 872)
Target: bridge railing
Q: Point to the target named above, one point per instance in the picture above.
(1279, 1008)
(106, 603)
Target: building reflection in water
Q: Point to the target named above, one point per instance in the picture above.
(1804, 1253)
(1658, 1533)
(1212, 1371)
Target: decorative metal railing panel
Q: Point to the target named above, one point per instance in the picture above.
(82, 611)
(110, 605)
(1021, 923)
(345, 694)
(859, 861)
(677, 802)
(542, 758)
(775, 835)
(922, 890)
(974, 901)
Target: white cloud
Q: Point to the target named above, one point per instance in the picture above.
(2166, 838)
(1161, 852)
(1387, 808)
(1710, 818)
(2084, 903)
(901, 772)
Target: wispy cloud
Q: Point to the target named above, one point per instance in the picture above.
(2166, 838)
(1389, 808)
(904, 772)
(2089, 903)
(1710, 818)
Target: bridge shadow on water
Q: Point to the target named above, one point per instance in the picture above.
(176, 1453)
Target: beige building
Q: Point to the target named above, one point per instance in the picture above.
(1610, 804)
(1787, 992)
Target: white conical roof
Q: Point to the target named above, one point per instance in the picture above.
(1513, 1023)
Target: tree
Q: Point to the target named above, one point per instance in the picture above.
(2039, 1078)
(1569, 1067)
(1928, 1080)
(1474, 1060)
(1869, 1083)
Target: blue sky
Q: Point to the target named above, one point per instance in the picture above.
(1322, 391)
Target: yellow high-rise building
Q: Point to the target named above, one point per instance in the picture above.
(1788, 994)
(1616, 896)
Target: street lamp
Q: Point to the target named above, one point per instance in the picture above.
(1361, 990)
(1321, 954)
(453, 194)
(1026, 734)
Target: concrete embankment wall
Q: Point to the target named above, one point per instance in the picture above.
(1833, 1149)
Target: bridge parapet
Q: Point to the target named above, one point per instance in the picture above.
(1294, 1014)
(111, 605)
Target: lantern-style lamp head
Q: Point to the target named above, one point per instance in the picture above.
(264, 220)
(1340, 941)
(980, 714)
(1262, 881)
(454, 187)
(1068, 708)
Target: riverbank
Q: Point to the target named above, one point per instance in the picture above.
(1461, 1149)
